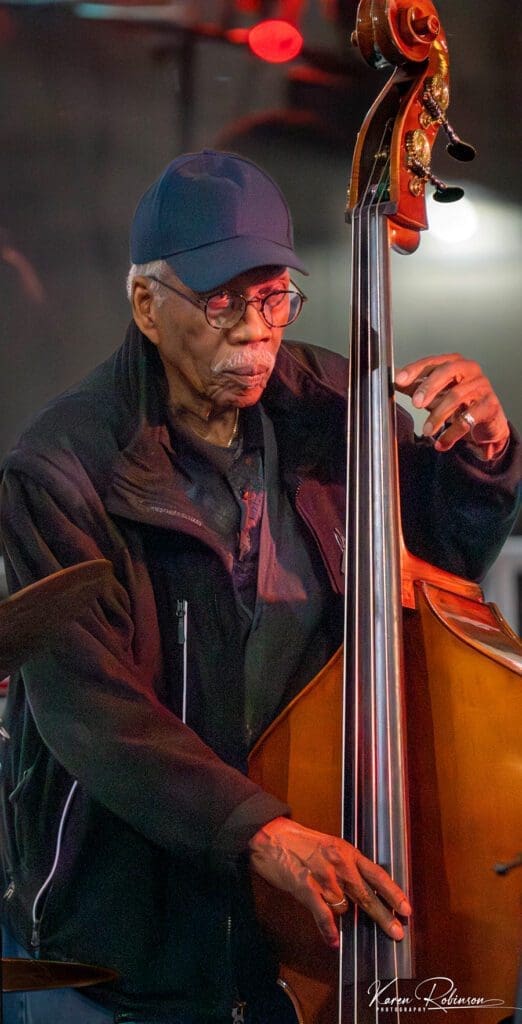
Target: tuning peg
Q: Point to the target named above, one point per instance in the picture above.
(418, 150)
(435, 99)
(445, 193)
(456, 148)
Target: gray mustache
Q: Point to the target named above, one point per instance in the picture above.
(260, 359)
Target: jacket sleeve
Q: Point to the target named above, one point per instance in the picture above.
(93, 695)
(457, 511)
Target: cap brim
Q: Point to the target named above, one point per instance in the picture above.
(215, 264)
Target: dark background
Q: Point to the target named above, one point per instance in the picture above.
(93, 110)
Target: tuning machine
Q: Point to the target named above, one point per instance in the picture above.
(435, 99)
(419, 156)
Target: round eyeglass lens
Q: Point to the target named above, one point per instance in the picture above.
(225, 309)
(282, 308)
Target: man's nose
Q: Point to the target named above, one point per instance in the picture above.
(252, 326)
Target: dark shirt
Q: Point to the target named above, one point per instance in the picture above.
(280, 587)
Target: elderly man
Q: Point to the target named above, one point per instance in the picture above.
(130, 826)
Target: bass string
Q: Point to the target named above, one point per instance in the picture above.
(385, 357)
(383, 240)
(359, 346)
(374, 195)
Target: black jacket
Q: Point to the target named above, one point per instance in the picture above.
(153, 823)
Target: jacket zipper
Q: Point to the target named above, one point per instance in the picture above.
(37, 921)
(239, 1007)
(164, 510)
(173, 513)
(342, 545)
(339, 538)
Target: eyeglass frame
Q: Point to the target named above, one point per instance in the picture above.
(202, 303)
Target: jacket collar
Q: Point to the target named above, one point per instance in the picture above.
(147, 482)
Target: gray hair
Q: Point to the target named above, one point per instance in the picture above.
(158, 268)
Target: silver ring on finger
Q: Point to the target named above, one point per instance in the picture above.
(335, 906)
(468, 418)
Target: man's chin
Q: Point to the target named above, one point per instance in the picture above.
(244, 391)
(244, 399)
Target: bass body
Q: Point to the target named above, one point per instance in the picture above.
(463, 697)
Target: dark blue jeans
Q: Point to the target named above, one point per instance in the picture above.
(69, 1006)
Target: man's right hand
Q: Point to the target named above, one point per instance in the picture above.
(323, 872)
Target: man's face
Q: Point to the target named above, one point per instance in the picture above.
(220, 368)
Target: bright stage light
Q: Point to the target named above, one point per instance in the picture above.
(453, 223)
(275, 41)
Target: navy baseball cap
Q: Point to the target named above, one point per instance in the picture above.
(213, 215)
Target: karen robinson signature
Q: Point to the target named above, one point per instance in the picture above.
(430, 994)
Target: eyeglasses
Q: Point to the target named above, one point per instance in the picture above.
(224, 309)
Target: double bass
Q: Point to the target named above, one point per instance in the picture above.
(409, 742)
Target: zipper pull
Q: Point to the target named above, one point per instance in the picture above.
(35, 936)
(238, 1013)
(9, 892)
(342, 545)
(181, 611)
(181, 616)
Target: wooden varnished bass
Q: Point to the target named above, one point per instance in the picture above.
(464, 785)
(409, 742)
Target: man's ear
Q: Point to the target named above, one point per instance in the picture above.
(143, 308)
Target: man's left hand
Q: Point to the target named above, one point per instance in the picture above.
(461, 403)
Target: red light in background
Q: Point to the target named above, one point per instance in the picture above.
(275, 41)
